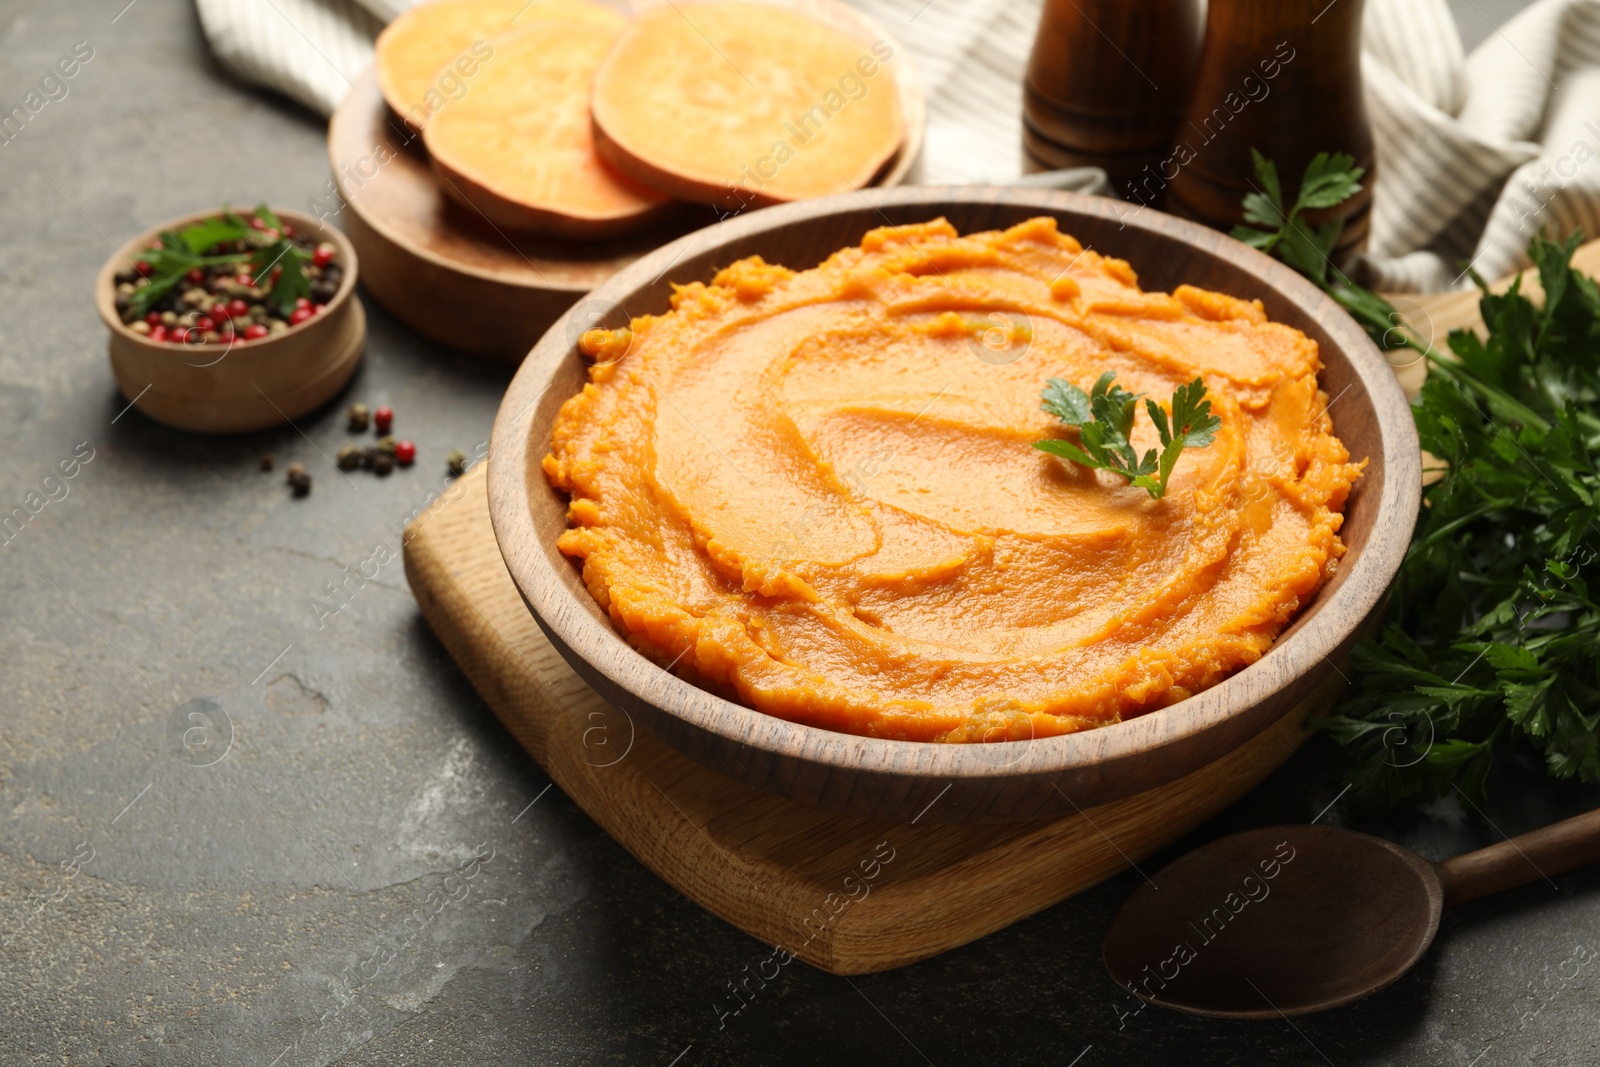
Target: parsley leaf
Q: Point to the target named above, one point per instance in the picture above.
(265, 214)
(286, 260)
(1104, 417)
(291, 284)
(1328, 181)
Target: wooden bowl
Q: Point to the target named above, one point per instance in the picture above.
(967, 782)
(250, 385)
(453, 276)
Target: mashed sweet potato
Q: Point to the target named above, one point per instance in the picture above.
(814, 491)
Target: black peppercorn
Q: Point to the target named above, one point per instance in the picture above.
(351, 457)
(382, 462)
(386, 444)
(267, 462)
(358, 417)
(299, 479)
(457, 462)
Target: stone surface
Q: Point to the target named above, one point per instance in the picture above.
(159, 905)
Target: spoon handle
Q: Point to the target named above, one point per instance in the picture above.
(1546, 852)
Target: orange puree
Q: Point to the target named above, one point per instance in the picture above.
(813, 492)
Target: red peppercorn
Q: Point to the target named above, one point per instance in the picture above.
(317, 309)
(156, 246)
(158, 333)
(143, 268)
(154, 318)
(277, 272)
(255, 332)
(302, 301)
(219, 311)
(245, 279)
(288, 230)
(404, 453)
(383, 418)
(256, 223)
(237, 308)
(299, 315)
(195, 275)
(204, 323)
(322, 257)
(225, 336)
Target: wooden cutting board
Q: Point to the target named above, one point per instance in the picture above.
(845, 894)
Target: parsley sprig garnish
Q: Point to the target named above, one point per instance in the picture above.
(1104, 416)
(1488, 648)
(180, 252)
(183, 250)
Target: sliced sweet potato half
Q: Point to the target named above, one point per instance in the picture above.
(745, 104)
(518, 147)
(430, 55)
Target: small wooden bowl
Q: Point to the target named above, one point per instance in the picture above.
(253, 384)
(902, 780)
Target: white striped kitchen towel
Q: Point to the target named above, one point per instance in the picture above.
(1475, 153)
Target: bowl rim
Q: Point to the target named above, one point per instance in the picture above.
(105, 290)
(1366, 575)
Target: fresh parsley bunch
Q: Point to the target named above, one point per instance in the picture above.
(1104, 419)
(1491, 640)
(1492, 636)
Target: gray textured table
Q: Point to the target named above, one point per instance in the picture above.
(252, 912)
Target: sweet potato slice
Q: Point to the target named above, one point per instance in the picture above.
(430, 54)
(745, 104)
(518, 148)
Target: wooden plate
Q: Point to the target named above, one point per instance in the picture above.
(455, 277)
(1020, 780)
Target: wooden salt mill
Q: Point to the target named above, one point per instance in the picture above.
(1106, 83)
(1283, 76)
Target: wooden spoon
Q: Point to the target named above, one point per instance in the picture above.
(1289, 920)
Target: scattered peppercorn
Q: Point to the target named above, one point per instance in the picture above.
(457, 462)
(383, 418)
(381, 462)
(351, 457)
(267, 462)
(405, 453)
(358, 418)
(387, 443)
(299, 479)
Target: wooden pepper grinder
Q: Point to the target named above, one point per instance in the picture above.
(1106, 83)
(1284, 77)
